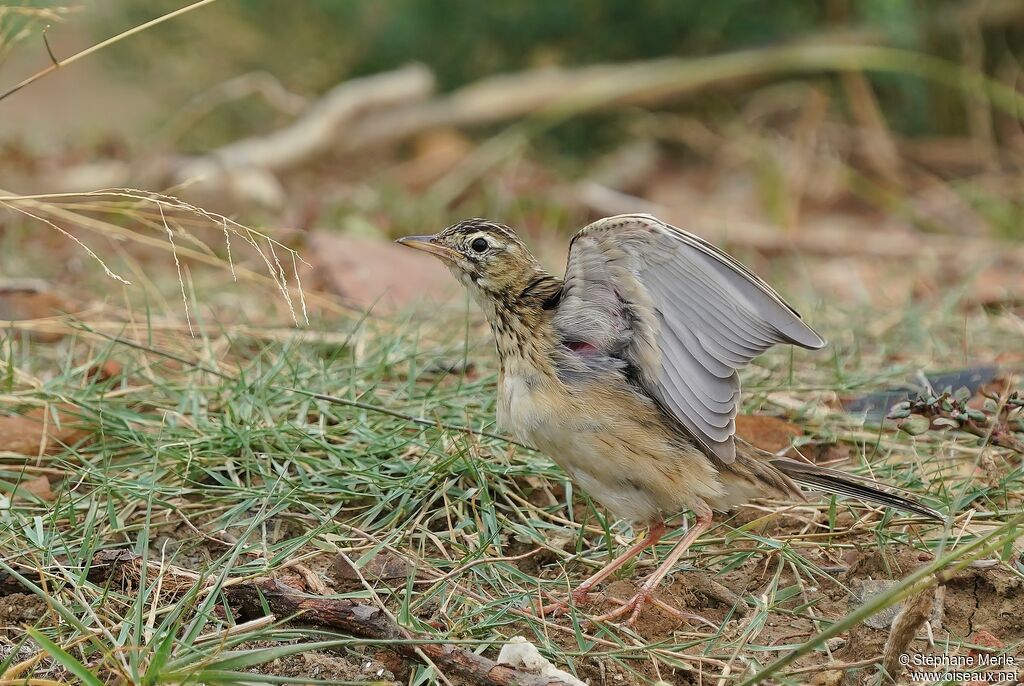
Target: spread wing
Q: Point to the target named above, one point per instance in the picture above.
(680, 313)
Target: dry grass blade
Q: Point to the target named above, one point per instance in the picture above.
(18, 24)
(350, 470)
(94, 211)
(100, 46)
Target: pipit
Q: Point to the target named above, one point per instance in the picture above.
(624, 372)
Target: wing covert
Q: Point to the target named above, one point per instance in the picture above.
(682, 313)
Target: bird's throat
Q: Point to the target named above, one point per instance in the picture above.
(521, 321)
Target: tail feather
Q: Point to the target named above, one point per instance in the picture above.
(840, 483)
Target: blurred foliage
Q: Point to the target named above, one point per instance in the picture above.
(314, 44)
(19, 23)
(462, 40)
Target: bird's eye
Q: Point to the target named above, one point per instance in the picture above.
(479, 245)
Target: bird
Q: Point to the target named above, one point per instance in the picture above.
(625, 372)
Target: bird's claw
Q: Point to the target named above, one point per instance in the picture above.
(557, 606)
(635, 605)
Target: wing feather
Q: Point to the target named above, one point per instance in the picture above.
(681, 312)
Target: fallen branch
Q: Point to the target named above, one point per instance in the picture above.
(557, 93)
(829, 241)
(392, 107)
(316, 130)
(251, 598)
(360, 619)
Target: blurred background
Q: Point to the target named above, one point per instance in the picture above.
(214, 199)
(864, 152)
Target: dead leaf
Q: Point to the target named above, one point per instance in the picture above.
(293, 579)
(381, 567)
(829, 677)
(24, 434)
(998, 285)
(39, 487)
(378, 274)
(767, 433)
(104, 371)
(24, 300)
(828, 453)
(435, 153)
(311, 580)
(986, 639)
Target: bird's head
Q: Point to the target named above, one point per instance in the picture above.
(488, 258)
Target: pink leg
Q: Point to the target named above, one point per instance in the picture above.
(581, 594)
(635, 604)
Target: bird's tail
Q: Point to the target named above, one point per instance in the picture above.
(860, 487)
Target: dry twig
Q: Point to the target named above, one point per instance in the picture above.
(319, 127)
(352, 617)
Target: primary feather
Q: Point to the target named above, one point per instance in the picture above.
(683, 315)
(840, 483)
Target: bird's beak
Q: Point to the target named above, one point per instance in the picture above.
(427, 244)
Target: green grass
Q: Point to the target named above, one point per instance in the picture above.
(224, 455)
(232, 447)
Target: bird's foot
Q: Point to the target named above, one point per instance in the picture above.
(635, 605)
(581, 596)
(632, 607)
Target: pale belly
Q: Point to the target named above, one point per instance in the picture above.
(635, 470)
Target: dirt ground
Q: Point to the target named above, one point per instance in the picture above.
(902, 283)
